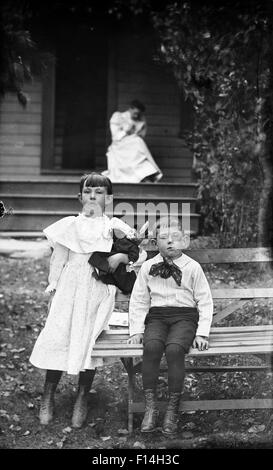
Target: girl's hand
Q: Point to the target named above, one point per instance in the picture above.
(200, 342)
(50, 290)
(115, 260)
(136, 339)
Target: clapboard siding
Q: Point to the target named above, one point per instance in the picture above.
(16, 170)
(20, 133)
(29, 139)
(25, 118)
(139, 77)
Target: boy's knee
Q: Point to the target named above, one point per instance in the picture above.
(153, 346)
(174, 350)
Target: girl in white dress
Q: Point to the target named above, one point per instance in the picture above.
(81, 305)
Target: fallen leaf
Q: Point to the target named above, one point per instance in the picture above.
(139, 445)
(256, 428)
(187, 435)
(190, 425)
(17, 350)
(67, 430)
(16, 418)
(61, 443)
(123, 432)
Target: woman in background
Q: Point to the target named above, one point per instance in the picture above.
(129, 159)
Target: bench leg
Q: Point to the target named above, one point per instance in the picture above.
(128, 364)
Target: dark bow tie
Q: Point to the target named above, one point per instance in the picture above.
(166, 269)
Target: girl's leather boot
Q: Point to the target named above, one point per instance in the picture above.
(47, 403)
(151, 412)
(170, 422)
(80, 410)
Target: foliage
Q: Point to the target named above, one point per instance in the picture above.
(219, 57)
(20, 58)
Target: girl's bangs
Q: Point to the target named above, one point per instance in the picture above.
(95, 180)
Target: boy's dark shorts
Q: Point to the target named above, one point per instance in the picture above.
(171, 325)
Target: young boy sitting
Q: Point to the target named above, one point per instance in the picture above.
(170, 310)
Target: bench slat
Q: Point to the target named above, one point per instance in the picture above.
(213, 344)
(213, 334)
(231, 255)
(225, 255)
(242, 293)
(193, 405)
(212, 351)
(260, 337)
(224, 293)
(214, 330)
(228, 310)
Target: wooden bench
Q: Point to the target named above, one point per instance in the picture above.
(224, 340)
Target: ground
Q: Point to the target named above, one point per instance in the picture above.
(23, 309)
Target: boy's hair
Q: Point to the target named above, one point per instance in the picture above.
(96, 179)
(167, 222)
(139, 105)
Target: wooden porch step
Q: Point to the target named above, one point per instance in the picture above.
(70, 186)
(68, 202)
(37, 220)
(39, 201)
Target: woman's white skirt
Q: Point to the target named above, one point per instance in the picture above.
(130, 161)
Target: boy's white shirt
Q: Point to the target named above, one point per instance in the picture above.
(152, 291)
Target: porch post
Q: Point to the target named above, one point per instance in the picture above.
(112, 82)
(48, 116)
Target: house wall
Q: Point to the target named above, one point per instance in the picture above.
(20, 133)
(132, 74)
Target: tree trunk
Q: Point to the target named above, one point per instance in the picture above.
(266, 156)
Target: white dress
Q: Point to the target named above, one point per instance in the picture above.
(128, 157)
(81, 306)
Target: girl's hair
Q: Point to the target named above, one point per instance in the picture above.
(139, 105)
(96, 179)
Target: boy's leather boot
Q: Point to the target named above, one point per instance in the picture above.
(80, 410)
(170, 422)
(151, 412)
(47, 403)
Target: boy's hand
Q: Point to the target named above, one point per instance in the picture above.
(200, 342)
(136, 339)
(115, 260)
